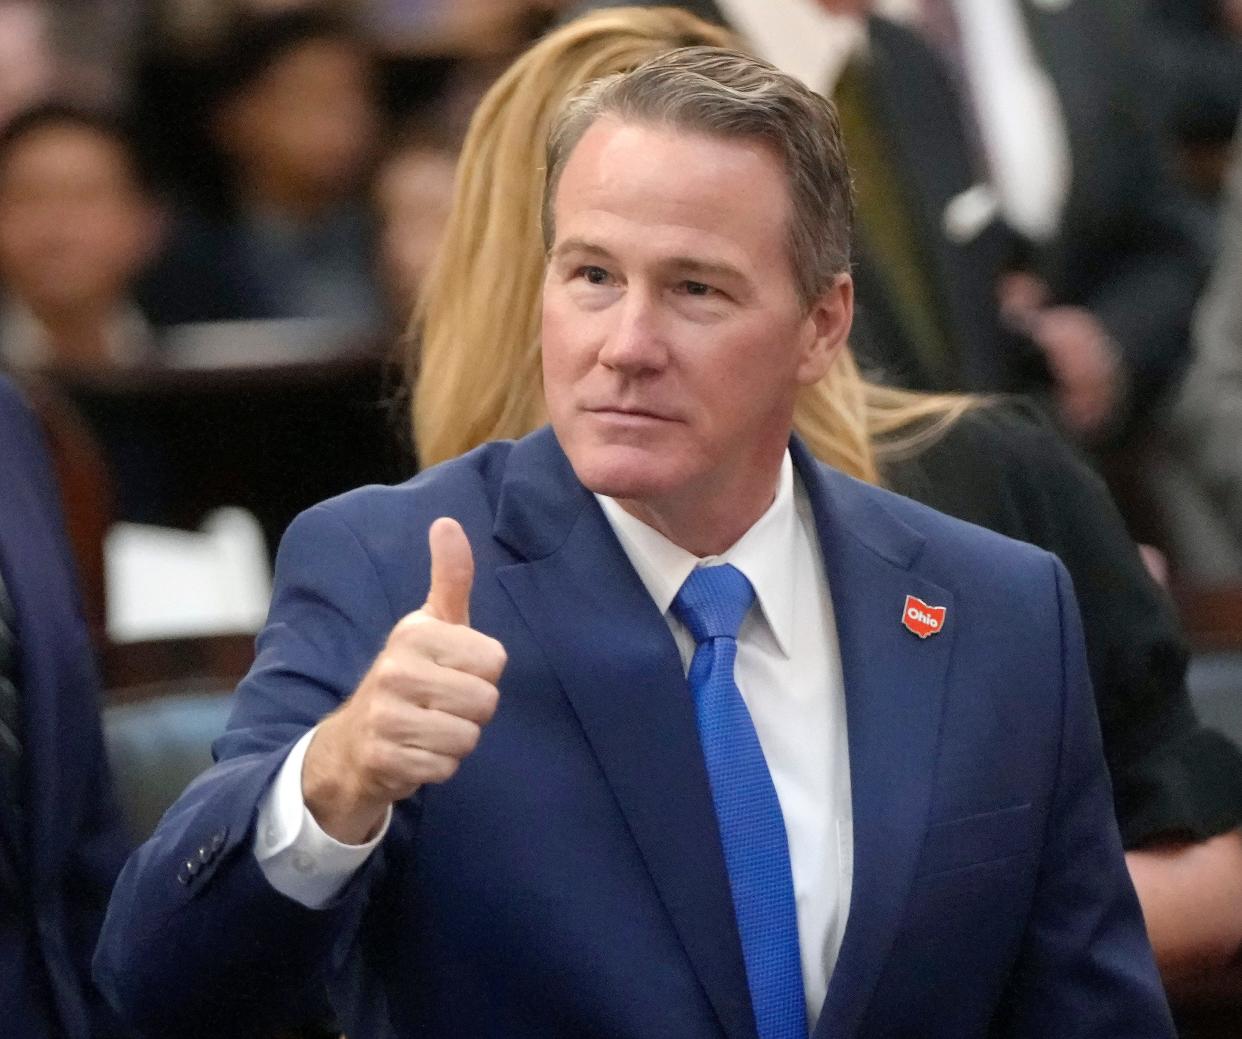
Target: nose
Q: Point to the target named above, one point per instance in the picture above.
(635, 344)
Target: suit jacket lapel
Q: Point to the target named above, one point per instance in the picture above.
(579, 594)
(894, 690)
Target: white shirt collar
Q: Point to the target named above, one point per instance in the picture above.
(765, 554)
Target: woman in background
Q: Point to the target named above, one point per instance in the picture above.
(475, 370)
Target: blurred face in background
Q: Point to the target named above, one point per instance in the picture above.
(303, 133)
(413, 196)
(75, 225)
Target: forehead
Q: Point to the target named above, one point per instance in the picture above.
(65, 151)
(660, 182)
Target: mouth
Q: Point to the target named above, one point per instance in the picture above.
(622, 414)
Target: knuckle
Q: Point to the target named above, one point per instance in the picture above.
(442, 768)
(389, 673)
(375, 759)
(384, 717)
(415, 631)
(500, 656)
(489, 700)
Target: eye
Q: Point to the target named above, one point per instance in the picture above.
(697, 288)
(593, 275)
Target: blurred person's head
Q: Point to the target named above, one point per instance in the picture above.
(413, 196)
(296, 112)
(77, 219)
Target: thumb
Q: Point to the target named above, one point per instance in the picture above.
(452, 572)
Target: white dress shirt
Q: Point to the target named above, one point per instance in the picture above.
(1019, 114)
(799, 37)
(788, 670)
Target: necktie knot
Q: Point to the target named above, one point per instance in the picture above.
(713, 602)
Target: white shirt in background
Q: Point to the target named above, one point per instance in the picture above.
(1019, 115)
(799, 37)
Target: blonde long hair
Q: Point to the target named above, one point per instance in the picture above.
(474, 356)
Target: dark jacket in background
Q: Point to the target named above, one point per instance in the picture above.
(1200, 68)
(1128, 248)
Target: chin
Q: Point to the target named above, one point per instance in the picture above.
(623, 471)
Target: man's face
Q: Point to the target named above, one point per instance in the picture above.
(75, 228)
(674, 340)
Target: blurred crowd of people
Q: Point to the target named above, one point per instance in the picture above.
(1039, 196)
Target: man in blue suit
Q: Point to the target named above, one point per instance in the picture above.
(62, 841)
(665, 730)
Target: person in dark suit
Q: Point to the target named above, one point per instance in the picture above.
(773, 752)
(62, 840)
(1115, 264)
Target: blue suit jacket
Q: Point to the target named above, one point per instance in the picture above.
(569, 882)
(59, 857)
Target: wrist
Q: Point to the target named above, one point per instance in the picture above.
(335, 801)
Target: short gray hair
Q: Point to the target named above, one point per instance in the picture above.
(724, 94)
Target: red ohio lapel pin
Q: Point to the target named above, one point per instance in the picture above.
(922, 619)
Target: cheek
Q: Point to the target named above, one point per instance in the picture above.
(564, 333)
(556, 352)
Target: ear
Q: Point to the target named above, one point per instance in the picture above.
(828, 329)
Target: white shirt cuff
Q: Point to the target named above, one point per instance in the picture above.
(300, 860)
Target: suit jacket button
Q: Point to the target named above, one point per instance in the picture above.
(217, 840)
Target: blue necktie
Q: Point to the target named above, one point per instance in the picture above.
(711, 604)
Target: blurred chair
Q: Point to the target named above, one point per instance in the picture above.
(157, 746)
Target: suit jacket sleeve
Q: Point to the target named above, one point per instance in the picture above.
(196, 941)
(1085, 967)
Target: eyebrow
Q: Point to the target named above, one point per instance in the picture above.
(686, 265)
(579, 245)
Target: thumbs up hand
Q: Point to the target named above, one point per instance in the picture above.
(417, 712)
